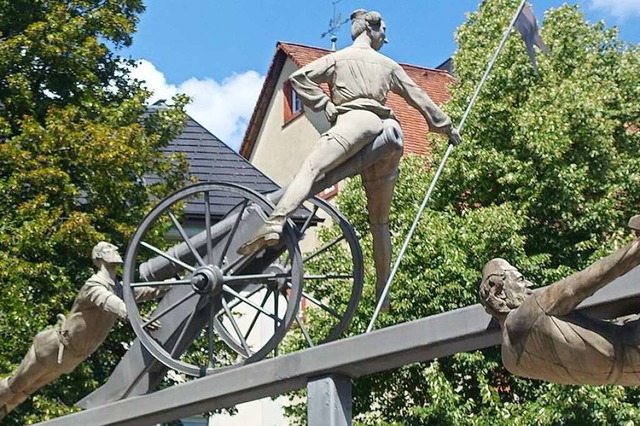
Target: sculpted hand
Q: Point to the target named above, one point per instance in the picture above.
(153, 325)
(331, 112)
(454, 137)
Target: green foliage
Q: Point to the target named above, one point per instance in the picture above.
(546, 178)
(75, 142)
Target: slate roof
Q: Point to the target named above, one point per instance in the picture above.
(414, 126)
(210, 159)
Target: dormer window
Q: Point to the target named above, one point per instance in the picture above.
(292, 102)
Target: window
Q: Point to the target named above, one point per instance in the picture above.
(296, 102)
(292, 103)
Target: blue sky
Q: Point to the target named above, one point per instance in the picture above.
(218, 51)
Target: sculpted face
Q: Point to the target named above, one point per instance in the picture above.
(378, 35)
(503, 288)
(516, 288)
(110, 254)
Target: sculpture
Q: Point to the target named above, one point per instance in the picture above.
(543, 338)
(360, 79)
(59, 350)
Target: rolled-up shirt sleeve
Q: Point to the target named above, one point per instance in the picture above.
(306, 82)
(404, 86)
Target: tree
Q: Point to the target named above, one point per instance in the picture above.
(547, 177)
(76, 141)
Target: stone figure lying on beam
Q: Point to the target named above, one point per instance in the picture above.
(359, 80)
(59, 350)
(543, 338)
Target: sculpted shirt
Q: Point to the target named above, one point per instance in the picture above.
(361, 78)
(570, 349)
(95, 310)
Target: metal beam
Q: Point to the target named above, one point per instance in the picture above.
(440, 335)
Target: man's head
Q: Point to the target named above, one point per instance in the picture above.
(503, 288)
(105, 252)
(370, 23)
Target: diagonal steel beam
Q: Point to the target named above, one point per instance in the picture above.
(464, 329)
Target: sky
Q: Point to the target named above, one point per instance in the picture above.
(218, 51)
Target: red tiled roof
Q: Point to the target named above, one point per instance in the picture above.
(414, 126)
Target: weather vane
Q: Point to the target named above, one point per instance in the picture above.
(334, 24)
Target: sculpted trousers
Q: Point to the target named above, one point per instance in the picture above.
(353, 130)
(38, 368)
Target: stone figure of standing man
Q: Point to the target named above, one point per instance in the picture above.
(359, 79)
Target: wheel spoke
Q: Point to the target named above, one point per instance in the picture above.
(257, 315)
(183, 332)
(167, 256)
(232, 233)
(237, 302)
(304, 330)
(276, 302)
(308, 221)
(235, 326)
(210, 338)
(169, 309)
(328, 277)
(207, 224)
(234, 293)
(323, 248)
(255, 277)
(319, 304)
(185, 238)
(160, 283)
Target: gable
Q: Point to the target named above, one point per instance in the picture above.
(209, 160)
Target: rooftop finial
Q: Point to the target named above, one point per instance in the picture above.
(334, 24)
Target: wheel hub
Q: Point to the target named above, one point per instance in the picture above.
(207, 279)
(278, 284)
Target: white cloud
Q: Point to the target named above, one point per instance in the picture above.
(621, 9)
(224, 108)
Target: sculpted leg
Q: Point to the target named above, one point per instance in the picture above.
(353, 130)
(16, 388)
(325, 154)
(379, 181)
(38, 367)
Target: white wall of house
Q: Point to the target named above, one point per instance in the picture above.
(280, 146)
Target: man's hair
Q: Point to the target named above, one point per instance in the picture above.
(361, 18)
(96, 253)
(493, 277)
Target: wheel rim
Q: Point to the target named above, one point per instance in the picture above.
(214, 286)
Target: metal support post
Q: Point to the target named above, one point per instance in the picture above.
(329, 401)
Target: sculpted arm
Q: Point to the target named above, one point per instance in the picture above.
(105, 299)
(306, 82)
(563, 296)
(143, 294)
(404, 86)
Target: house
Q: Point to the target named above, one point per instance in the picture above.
(281, 131)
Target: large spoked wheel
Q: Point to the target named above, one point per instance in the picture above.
(218, 308)
(334, 275)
